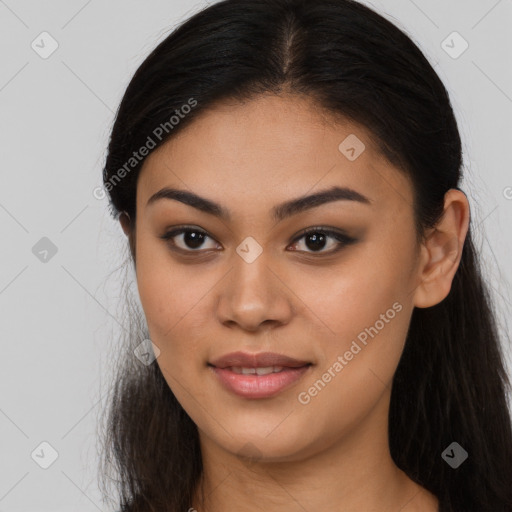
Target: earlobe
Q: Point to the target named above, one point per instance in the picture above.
(442, 251)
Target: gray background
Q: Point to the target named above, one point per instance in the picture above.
(58, 317)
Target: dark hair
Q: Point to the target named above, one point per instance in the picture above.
(450, 384)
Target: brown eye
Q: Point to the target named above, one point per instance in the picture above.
(317, 239)
(191, 239)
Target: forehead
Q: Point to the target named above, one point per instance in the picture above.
(270, 149)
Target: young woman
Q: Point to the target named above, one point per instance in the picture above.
(286, 172)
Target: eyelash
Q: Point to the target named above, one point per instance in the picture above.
(342, 239)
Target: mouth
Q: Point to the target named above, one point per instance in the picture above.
(256, 376)
(255, 371)
(259, 360)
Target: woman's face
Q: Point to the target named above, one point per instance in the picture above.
(245, 279)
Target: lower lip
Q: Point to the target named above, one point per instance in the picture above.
(259, 386)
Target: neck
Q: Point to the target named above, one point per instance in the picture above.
(351, 473)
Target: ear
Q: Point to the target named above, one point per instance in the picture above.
(442, 250)
(124, 219)
(129, 231)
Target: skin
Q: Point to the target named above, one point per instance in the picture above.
(331, 453)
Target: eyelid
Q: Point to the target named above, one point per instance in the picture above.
(323, 229)
(339, 235)
(179, 230)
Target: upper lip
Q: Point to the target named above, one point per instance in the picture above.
(261, 360)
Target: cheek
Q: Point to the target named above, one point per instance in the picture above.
(159, 287)
(362, 309)
(154, 290)
(368, 320)
(174, 299)
(353, 295)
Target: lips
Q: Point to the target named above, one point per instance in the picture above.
(260, 360)
(256, 376)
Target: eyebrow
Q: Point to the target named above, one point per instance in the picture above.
(279, 212)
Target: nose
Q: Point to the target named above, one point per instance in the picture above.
(255, 296)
